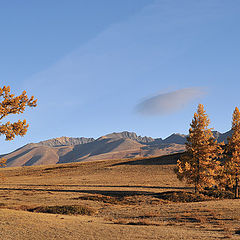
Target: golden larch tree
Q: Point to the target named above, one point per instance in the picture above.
(11, 104)
(232, 157)
(200, 164)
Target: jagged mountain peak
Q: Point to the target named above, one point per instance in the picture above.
(128, 135)
(65, 141)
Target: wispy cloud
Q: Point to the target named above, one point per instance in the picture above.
(122, 55)
(167, 103)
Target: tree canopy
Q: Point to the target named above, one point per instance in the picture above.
(11, 104)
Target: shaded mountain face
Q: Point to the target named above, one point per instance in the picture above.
(111, 146)
(223, 137)
(175, 138)
(181, 138)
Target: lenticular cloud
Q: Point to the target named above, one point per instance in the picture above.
(169, 102)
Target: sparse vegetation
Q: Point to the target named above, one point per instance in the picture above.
(123, 200)
(183, 196)
(67, 210)
(126, 201)
(141, 221)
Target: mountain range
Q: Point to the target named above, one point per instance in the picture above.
(112, 146)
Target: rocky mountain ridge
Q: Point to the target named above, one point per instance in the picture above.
(176, 138)
(65, 141)
(111, 146)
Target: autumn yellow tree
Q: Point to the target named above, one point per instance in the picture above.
(231, 173)
(11, 104)
(200, 164)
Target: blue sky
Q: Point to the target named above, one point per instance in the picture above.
(92, 63)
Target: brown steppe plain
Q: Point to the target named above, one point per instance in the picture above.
(123, 197)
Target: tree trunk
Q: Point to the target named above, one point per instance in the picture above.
(236, 187)
(196, 188)
(197, 184)
(197, 177)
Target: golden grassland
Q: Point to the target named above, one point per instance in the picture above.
(121, 199)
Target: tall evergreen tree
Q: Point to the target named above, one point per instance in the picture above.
(232, 160)
(200, 164)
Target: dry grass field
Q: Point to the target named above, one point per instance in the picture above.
(115, 199)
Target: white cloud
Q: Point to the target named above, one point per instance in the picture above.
(169, 102)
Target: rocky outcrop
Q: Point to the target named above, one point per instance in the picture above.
(129, 135)
(65, 141)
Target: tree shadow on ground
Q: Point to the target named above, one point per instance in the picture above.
(102, 192)
(162, 160)
(111, 193)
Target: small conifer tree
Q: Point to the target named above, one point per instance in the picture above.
(231, 172)
(199, 165)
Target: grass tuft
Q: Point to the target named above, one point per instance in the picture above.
(66, 210)
(182, 196)
(145, 222)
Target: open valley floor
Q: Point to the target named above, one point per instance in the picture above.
(118, 199)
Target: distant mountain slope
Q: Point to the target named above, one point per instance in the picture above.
(175, 138)
(32, 155)
(223, 136)
(111, 146)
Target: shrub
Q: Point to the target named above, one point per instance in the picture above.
(181, 196)
(66, 209)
